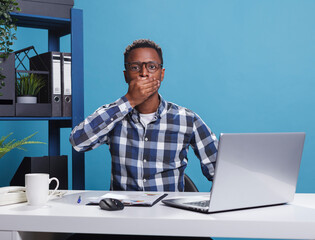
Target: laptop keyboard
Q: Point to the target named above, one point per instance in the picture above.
(204, 203)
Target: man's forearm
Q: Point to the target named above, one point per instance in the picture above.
(93, 131)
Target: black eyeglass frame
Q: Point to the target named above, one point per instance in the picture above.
(146, 66)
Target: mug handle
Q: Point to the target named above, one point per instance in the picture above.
(57, 186)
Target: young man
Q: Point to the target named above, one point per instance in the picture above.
(148, 136)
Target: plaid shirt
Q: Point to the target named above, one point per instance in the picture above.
(151, 158)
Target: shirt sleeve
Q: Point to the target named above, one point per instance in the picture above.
(205, 145)
(94, 130)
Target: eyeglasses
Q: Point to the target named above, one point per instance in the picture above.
(137, 66)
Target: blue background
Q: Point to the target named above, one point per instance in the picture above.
(242, 65)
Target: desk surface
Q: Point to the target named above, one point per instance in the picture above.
(291, 221)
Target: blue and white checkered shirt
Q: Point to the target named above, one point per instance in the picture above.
(151, 158)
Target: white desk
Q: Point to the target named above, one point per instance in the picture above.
(291, 221)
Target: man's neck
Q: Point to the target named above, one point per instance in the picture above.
(150, 105)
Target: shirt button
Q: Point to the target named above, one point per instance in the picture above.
(146, 139)
(144, 160)
(112, 119)
(144, 180)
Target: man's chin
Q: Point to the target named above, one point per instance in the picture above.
(156, 93)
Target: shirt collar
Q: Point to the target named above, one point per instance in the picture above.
(162, 107)
(159, 112)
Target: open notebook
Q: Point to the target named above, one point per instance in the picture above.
(131, 198)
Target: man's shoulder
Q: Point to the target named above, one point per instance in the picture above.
(173, 108)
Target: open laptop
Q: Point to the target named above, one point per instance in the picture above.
(252, 170)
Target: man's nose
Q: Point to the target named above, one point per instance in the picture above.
(144, 71)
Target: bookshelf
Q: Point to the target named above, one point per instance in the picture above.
(58, 27)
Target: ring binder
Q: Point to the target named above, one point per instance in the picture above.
(66, 84)
(51, 93)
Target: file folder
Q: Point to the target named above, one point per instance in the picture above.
(66, 84)
(51, 93)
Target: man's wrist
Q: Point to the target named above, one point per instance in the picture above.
(132, 103)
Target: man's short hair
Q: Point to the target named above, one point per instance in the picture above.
(143, 43)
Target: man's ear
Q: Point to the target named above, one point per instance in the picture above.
(162, 74)
(126, 78)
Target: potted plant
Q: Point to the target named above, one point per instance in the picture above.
(7, 32)
(7, 147)
(27, 88)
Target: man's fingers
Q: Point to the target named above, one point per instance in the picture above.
(152, 89)
(147, 81)
(151, 84)
(150, 92)
(144, 84)
(142, 88)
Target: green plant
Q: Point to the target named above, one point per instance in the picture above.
(29, 85)
(7, 30)
(7, 147)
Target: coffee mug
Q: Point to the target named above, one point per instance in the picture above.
(37, 188)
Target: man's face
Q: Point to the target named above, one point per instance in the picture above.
(139, 57)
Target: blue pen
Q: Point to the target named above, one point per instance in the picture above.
(79, 199)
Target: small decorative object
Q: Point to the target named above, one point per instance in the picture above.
(27, 88)
(7, 147)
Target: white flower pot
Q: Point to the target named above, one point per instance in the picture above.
(26, 99)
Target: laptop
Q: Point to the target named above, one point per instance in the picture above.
(252, 170)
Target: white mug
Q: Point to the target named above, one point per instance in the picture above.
(37, 188)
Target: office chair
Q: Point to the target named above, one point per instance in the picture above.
(189, 185)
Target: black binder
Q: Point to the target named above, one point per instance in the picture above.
(58, 167)
(7, 86)
(55, 166)
(30, 165)
(51, 93)
(66, 84)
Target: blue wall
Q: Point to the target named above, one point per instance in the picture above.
(242, 65)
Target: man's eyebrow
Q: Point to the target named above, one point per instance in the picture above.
(141, 62)
(133, 62)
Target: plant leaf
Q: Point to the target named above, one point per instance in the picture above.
(7, 147)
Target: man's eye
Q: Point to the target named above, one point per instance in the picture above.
(134, 67)
(152, 66)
